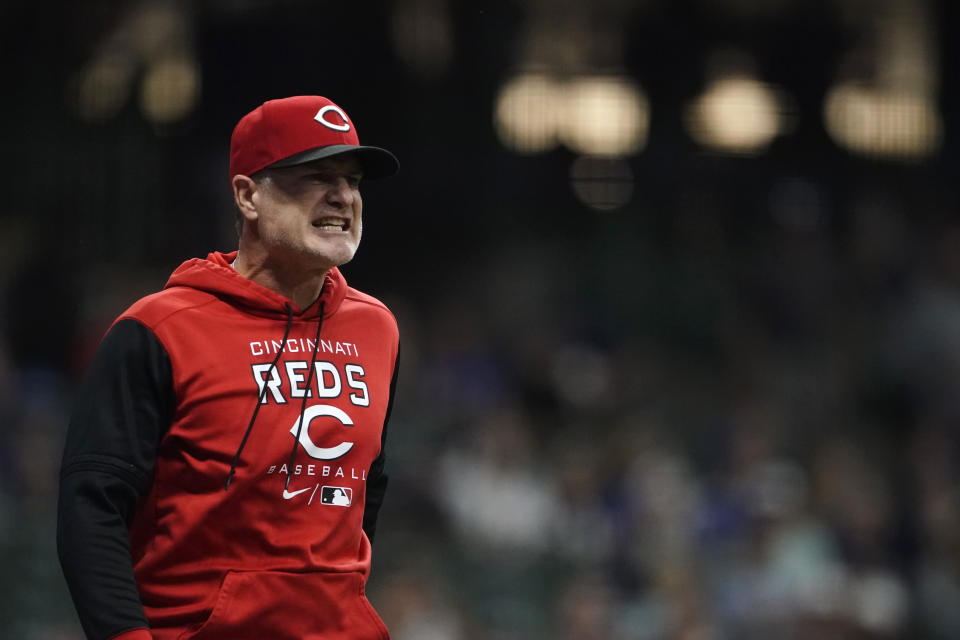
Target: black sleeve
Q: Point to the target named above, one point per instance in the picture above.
(377, 478)
(122, 409)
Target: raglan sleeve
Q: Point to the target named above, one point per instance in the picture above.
(377, 478)
(122, 410)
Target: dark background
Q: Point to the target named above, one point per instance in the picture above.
(726, 407)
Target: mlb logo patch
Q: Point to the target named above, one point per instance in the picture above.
(336, 496)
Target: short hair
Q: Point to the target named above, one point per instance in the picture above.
(259, 178)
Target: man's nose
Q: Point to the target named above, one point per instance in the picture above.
(341, 192)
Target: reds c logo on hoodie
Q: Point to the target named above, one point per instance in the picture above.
(321, 453)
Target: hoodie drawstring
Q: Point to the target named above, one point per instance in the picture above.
(263, 392)
(303, 405)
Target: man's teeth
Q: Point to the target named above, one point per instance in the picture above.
(328, 224)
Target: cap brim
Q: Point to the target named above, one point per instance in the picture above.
(377, 162)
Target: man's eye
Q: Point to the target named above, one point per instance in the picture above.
(328, 178)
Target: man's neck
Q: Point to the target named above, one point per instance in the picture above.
(302, 289)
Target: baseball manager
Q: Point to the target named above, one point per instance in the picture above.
(224, 463)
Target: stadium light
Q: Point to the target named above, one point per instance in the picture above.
(169, 90)
(103, 86)
(423, 36)
(736, 114)
(604, 116)
(892, 124)
(527, 112)
(593, 115)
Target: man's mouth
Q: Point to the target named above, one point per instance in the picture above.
(332, 224)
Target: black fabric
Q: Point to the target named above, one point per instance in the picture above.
(123, 408)
(377, 478)
(376, 162)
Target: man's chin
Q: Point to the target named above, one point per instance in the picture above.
(328, 259)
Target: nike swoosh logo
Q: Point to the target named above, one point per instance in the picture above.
(289, 494)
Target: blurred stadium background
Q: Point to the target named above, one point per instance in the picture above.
(678, 283)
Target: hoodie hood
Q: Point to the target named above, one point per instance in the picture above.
(215, 275)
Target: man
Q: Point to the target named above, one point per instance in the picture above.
(224, 463)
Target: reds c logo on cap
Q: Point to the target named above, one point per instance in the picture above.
(321, 118)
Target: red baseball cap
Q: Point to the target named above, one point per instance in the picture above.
(290, 131)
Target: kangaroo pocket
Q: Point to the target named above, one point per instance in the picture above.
(282, 605)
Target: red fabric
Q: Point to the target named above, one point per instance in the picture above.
(253, 605)
(257, 561)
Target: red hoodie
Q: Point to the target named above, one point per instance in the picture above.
(281, 553)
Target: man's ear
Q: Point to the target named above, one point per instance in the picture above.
(244, 188)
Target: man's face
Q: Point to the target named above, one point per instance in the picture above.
(309, 215)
